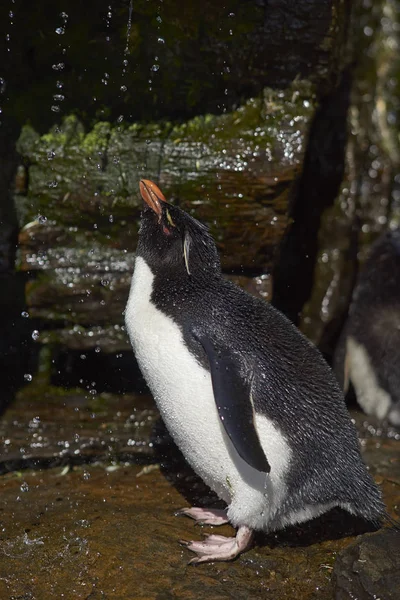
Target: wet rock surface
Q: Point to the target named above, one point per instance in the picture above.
(101, 534)
(76, 428)
(369, 568)
(368, 198)
(102, 524)
(95, 530)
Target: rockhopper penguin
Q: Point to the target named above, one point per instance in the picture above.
(368, 353)
(248, 399)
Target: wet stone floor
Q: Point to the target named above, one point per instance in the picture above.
(87, 512)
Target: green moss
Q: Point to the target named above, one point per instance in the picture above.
(82, 179)
(71, 132)
(40, 391)
(274, 109)
(270, 111)
(28, 140)
(97, 140)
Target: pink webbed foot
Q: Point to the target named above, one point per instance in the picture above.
(219, 547)
(205, 516)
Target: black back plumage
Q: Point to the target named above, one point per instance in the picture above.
(291, 383)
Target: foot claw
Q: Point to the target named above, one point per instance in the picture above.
(218, 547)
(204, 516)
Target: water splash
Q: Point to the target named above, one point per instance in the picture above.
(8, 36)
(155, 67)
(59, 96)
(128, 33)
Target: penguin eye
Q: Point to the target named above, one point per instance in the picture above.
(169, 218)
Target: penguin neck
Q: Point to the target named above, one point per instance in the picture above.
(170, 287)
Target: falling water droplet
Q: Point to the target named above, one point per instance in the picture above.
(24, 487)
(35, 335)
(128, 28)
(28, 377)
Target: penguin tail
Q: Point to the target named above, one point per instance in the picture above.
(378, 518)
(369, 507)
(392, 523)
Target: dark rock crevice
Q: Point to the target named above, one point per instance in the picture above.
(12, 327)
(317, 191)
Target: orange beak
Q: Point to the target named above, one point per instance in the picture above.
(152, 195)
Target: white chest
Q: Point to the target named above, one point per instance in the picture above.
(180, 385)
(372, 398)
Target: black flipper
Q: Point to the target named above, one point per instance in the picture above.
(232, 395)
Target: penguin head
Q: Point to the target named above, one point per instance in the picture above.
(172, 240)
